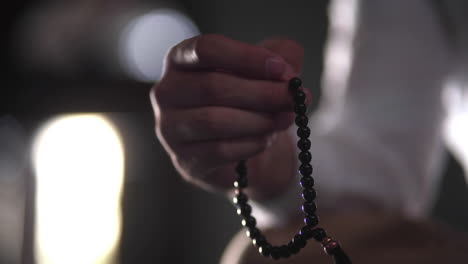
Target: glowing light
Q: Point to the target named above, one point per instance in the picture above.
(343, 13)
(146, 40)
(455, 98)
(339, 55)
(79, 164)
(338, 61)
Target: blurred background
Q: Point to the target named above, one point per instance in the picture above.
(69, 67)
(74, 85)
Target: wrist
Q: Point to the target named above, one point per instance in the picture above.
(272, 172)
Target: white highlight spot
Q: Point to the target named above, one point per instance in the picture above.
(455, 98)
(79, 163)
(146, 40)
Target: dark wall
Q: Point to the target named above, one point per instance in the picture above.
(165, 219)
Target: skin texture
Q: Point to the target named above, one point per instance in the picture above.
(221, 101)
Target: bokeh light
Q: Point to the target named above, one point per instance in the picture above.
(79, 163)
(146, 40)
(455, 98)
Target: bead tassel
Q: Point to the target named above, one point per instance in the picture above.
(340, 257)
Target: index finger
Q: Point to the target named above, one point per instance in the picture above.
(215, 52)
(196, 89)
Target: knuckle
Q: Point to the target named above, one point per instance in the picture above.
(173, 50)
(218, 89)
(184, 166)
(204, 44)
(201, 47)
(269, 97)
(182, 53)
(160, 92)
(173, 54)
(273, 97)
(222, 151)
(162, 127)
(209, 120)
(211, 85)
(260, 145)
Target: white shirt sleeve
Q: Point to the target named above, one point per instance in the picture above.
(377, 133)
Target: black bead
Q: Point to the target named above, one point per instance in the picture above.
(303, 132)
(305, 156)
(309, 208)
(241, 182)
(305, 169)
(299, 241)
(244, 210)
(293, 248)
(240, 199)
(306, 232)
(253, 232)
(284, 251)
(259, 241)
(300, 109)
(241, 169)
(265, 249)
(295, 83)
(249, 222)
(275, 253)
(303, 144)
(311, 220)
(309, 195)
(319, 234)
(301, 120)
(299, 97)
(307, 182)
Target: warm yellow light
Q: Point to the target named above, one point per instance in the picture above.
(79, 164)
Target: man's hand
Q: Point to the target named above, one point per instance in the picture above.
(221, 101)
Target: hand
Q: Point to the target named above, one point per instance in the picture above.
(221, 101)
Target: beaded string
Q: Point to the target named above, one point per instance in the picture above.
(310, 229)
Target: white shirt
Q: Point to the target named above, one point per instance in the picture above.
(378, 132)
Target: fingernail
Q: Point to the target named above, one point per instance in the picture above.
(275, 67)
(288, 73)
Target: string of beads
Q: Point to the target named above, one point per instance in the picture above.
(310, 229)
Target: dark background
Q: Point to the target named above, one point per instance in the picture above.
(166, 220)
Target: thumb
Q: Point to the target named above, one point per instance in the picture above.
(291, 51)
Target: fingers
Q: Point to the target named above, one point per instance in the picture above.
(215, 52)
(220, 101)
(183, 126)
(288, 49)
(194, 89)
(218, 153)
